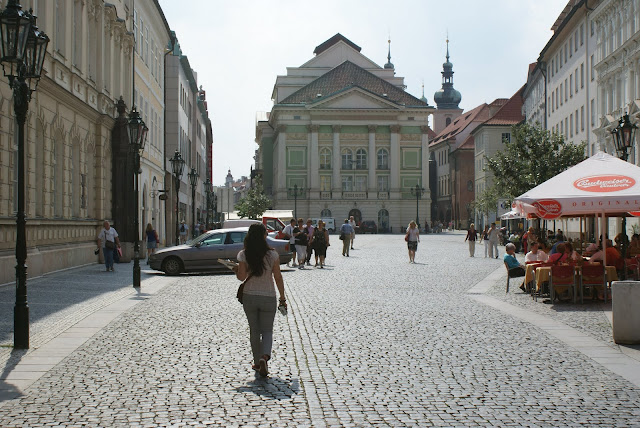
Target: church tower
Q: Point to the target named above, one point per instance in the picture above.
(228, 182)
(447, 99)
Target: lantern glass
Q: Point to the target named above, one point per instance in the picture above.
(177, 164)
(193, 177)
(35, 52)
(136, 126)
(143, 138)
(14, 30)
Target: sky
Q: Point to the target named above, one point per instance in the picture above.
(239, 48)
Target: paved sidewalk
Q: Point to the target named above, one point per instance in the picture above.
(369, 341)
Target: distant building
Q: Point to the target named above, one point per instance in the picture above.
(345, 131)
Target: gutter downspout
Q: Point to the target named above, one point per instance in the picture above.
(172, 43)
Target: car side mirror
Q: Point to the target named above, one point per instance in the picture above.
(197, 244)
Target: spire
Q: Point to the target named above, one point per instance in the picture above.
(447, 97)
(423, 98)
(447, 47)
(389, 64)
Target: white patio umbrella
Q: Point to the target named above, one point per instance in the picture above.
(600, 185)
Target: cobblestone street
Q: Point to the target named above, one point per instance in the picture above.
(369, 341)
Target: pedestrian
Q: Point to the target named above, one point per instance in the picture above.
(151, 236)
(412, 237)
(288, 234)
(184, 229)
(301, 243)
(484, 237)
(472, 236)
(352, 223)
(109, 237)
(320, 242)
(345, 234)
(493, 240)
(259, 266)
(308, 230)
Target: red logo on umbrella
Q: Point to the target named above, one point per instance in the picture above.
(548, 209)
(604, 183)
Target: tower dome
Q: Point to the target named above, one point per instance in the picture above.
(447, 97)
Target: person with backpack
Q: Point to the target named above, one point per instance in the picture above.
(184, 230)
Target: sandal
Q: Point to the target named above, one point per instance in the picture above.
(264, 371)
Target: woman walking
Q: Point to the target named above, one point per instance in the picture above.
(484, 237)
(151, 236)
(412, 237)
(320, 242)
(472, 236)
(259, 266)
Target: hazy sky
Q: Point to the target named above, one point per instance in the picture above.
(238, 49)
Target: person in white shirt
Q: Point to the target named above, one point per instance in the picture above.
(109, 237)
(288, 232)
(493, 241)
(536, 254)
(352, 223)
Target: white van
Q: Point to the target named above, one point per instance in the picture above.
(241, 222)
(329, 223)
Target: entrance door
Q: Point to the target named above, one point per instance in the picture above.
(357, 215)
(383, 221)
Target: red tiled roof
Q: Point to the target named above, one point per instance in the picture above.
(346, 76)
(332, 41)
(469, 143)
(511, 112)
(480, 113)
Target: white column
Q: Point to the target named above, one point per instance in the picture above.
(314, 156)
(395, 159)
(280, 185)
(336, 182)
(372, 160)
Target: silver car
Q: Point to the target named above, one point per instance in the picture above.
(201, 254)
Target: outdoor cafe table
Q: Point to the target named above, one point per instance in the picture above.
(542, 274)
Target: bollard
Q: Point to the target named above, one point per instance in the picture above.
(625, 304)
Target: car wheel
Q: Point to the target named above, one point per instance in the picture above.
(172, 266)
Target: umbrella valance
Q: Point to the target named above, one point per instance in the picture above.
(600, 184)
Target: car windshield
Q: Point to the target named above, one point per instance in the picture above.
(199, 239)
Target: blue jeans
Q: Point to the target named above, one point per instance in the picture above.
(260, 311)
(108, 257)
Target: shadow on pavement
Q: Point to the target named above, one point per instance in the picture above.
(8, 391)
(272, 387)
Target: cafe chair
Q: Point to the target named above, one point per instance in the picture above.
(593, 277)
(562, 276)
(515, 273)
(631, 268)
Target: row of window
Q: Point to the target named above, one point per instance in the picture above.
(566, 89)
(146, 47)
(572, 124)
(151, 118)
(566, 51)
(443, 185)
(352, 159)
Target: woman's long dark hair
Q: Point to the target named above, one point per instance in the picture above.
(255, 248)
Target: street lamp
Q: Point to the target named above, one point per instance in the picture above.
(177, 167)
(193, 180)
(624, 137)
(417, 192)
(207, 191)
(22, 51)
(295, 192)
(137, 138)
(214, 203)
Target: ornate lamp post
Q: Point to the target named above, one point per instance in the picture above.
(624, 137)
(22, 51)
(417, 192)
(214, 203)
(177, 167)
(193, 180)
(137, 138)
(207, 191)
(295, 192)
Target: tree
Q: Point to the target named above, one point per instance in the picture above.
(255, 203)
(532, 157)
(486, 202)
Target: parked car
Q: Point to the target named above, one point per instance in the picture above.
(368, 226)
(202, 253)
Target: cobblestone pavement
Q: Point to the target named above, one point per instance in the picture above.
(369, 341)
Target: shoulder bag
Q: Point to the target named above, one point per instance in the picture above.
(240, 292)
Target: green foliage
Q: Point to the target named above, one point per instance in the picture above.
(486, 202)
(532, 157)
(255, 203)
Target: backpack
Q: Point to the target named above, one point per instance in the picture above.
(182, 229)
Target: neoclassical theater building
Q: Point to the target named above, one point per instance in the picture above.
(344, 132)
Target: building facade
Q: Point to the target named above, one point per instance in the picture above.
(348, 135)
(68, 135)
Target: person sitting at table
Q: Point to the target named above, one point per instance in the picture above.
(560, 236)
(554, 248)
(513, 265)
(634, 246)
(592, 248)
(613, 256)
(536, 254)
(560, 256)
(572, 255)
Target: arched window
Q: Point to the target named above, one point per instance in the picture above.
(75, 178)
(325, 213)
(325, 158)
(383, 159)
(347, 159)
(361, 159)
(448, 121)
(57, 179)
(40, 185)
